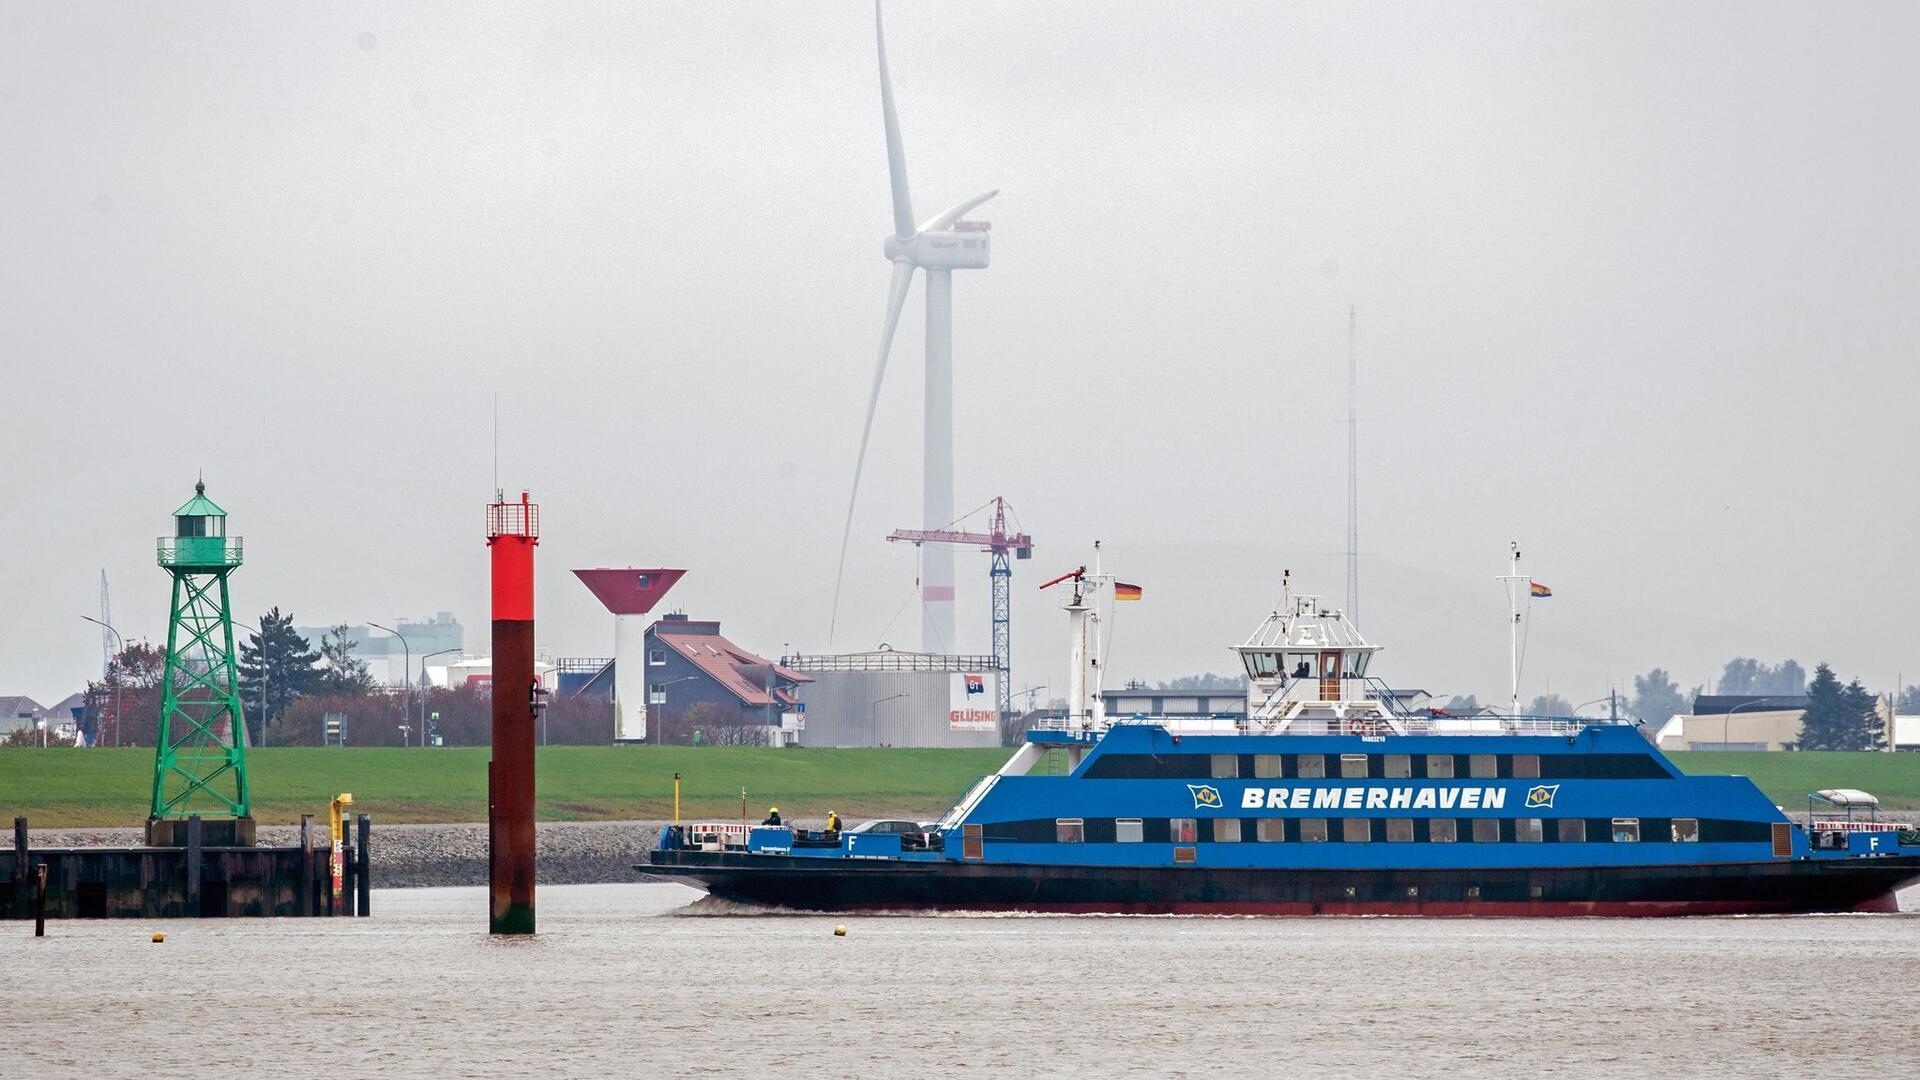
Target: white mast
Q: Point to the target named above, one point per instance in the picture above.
(1353, 468)
(1513, 579)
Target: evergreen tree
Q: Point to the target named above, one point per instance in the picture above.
(1745, 675)
(1550, 705)
(1862, 710)
(1462, 706)
(1909, 701)
(1832, 719)
(1656, 698)
(288, 661)
(343, 673)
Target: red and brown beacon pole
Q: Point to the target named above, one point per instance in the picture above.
(513, 531)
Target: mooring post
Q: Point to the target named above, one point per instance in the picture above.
(348, 866)
(364, 878)
(194, 837)
(19, 867)
(40, 902)
(309, 904)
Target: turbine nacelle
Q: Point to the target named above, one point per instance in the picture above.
(940, 249)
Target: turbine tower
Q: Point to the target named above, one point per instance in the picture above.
(940, 245)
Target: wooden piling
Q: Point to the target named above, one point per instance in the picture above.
(195, 834)
(309, 900)
(19, 867)
(366, 864)
(40, 901)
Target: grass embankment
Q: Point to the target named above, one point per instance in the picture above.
(107, 787)
(74, 788)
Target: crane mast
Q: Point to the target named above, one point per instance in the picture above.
(1004, 545)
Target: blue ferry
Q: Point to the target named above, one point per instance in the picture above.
(1329, 796)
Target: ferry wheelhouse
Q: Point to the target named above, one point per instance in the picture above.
(1331, 795)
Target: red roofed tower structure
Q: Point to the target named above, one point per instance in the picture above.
(630, 593)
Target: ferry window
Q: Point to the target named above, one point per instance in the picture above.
(1439, 766)
(1573, 830)
(1443, 830)
(1528, 830)
(1399, 830)
(1686, 830)
(1266, 766)
(1356, 830)
(1226, 830)
(1483, 766)
(1526, 766)
(1313, 830)
(1183, 830)
(1303, 665)
(1358, 666)
(1399, 766)
(1626, 830)
(1262, 665)
(1353, 766)
(1486, 830)
(1226, 766)
(1311, 767)
(1070, 830)
(1272, 829)
(1126, 830)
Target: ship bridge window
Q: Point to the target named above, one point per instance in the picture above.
(1443, 830)
(1486, 830)
(1303, 665)
(1439, 766)
(1357, 664)
(1526, 766)
(1626, 830)
(1261, 665)
(1226, 830)
(1070, 830)
(1573, 830)
(1226, 766)
(1353, 766)
(1183, 830)
(1398, 766)
(1127, 830)
(1311, 767)
(1483, 766)
(1313, 830)
(1686, 830)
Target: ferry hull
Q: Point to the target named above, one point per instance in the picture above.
(1773, 887)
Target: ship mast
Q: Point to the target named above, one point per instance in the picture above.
(1514, 580)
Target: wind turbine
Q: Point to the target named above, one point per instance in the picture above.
(940, 245)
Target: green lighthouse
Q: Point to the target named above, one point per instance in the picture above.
(200, 753)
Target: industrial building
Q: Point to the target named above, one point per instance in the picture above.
(397, 658)
(892, 698)
(1762, 722)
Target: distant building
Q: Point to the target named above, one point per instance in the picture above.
(699, 680)
(1736, 722)
(19, 712)
(892, 698)
(386, 655)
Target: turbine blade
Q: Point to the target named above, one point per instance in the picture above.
(896, 299)
(946, 220)
(896, 153)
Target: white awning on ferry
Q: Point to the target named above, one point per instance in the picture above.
(1847, 796)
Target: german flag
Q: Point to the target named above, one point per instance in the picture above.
(1534, 588)
(1124, 591)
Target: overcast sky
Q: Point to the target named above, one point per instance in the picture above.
(1635, 285)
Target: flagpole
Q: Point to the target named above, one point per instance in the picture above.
(1513, 630)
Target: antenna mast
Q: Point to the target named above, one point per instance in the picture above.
(1353, 468)
(1515, 586)
(106, 634)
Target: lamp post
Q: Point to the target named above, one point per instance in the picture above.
(424, 733)
(663, 692)
(872, 721)
(406, 670)
(1726, 719)
(119, 683)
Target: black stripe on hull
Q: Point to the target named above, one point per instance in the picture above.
(1772, 887)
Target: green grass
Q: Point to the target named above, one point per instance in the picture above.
(67, 788)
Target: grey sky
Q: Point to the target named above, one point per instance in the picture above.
(1635, 285)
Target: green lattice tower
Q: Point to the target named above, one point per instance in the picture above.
(200, 752)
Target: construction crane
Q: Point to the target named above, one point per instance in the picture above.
(1000, 543)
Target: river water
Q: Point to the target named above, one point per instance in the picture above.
(628, 980)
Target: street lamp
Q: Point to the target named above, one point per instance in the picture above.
(1726, 719)
(406, 670)
(423, 694)
(119, 683)
(662, 687)
(872, 722)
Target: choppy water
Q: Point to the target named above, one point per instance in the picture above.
(624, 981)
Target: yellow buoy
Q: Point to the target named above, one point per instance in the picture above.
(159, 937)
(839, 931)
